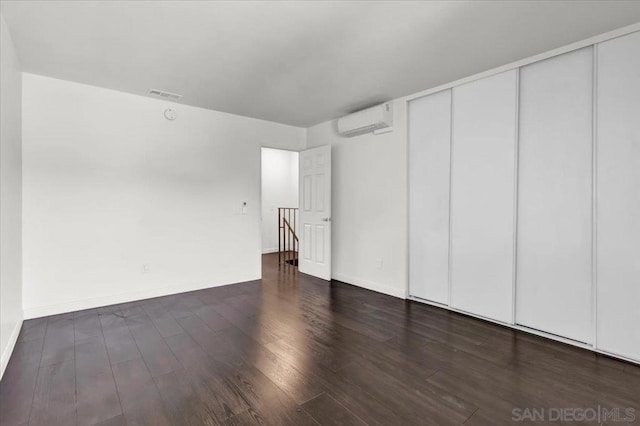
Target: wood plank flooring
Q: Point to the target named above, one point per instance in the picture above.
(294, 350)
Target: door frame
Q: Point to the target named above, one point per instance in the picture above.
(297, 151)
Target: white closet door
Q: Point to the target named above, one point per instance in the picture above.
(482, 196)
(429, 154)
(554, 286)
(618, 196)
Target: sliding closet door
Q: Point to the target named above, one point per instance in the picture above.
(618, 196)
(429, 153)
(554, 286)
(482, 196)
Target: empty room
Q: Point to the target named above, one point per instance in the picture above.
(319, 212)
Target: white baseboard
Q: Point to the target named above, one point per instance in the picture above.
(132, 296)
(269, 250)
(370, 285)
(13, 339)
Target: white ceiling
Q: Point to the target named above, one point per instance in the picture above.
(298, 63)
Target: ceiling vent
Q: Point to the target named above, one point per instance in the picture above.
(164, 95)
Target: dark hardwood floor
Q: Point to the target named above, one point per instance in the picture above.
(294, 350)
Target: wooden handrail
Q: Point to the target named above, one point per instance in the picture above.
(295, 237)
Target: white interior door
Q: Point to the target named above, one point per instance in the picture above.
(314, 257)
(618, 196)
(553, 292)
(429, 151)
(482, 196)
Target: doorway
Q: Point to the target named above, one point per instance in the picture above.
(279, 210)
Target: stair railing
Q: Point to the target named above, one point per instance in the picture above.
(287, 237)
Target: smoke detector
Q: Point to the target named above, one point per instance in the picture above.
(164, 95)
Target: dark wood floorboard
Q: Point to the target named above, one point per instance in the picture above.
(294, 350)
(55, 394)
(330, 411)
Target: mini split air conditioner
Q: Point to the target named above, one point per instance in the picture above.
(366, 121)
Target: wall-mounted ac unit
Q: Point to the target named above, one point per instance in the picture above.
(367, 120)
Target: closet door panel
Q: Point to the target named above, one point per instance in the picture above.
(482, 196)
(618, 196)
(554, 251)
(429, 154)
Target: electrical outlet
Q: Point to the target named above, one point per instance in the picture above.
(146, 268)
(379, 263)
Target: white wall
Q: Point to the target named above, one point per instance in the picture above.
(111, 185)
(279, 189)
(10, 196)
(369, 197)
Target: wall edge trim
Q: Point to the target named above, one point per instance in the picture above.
(13, 340)
(132, 296)
(370, 285)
